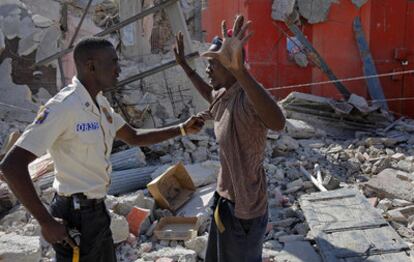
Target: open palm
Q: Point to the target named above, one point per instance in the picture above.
(230, 53)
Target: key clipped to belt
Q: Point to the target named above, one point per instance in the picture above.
(75, 235)
(76, 202)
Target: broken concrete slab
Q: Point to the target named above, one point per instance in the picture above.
(199, 245)
(45, 8)
(392, 183)
(199, 203)
(49, 44)
(18, 96)
(401, 214)
(176, 254)
(294, 251)
(30, 43)
(286, 143)
(203, 173)
(126, 159)
(324, 113)
(299, 129)
(119, 228)
(10, 20)
(126, 203)
(27, 27)
(315, 11)
(405, 165)
(15, 247)
(282, 9)
(41, 21)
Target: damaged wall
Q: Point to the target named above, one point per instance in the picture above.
(328, 26)
(33, 30)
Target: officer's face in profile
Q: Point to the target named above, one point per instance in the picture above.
(107, 69)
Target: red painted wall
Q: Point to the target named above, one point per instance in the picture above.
(388, 24)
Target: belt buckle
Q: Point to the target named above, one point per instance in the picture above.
(76, 202)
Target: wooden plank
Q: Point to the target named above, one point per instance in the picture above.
(373, 83)
(318, 60)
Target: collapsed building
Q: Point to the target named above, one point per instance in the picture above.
(352, 150)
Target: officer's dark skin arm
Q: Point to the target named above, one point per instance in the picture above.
(144, 137)
(14, 170)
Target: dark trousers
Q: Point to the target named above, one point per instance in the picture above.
(96, 244)
(242, 239)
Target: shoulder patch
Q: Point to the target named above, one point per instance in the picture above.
(64, 93)
(42, 115)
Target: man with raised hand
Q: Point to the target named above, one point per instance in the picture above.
(242, 111)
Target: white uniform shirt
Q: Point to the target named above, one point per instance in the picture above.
(79, 136)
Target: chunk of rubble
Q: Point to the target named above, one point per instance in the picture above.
(198, 244)
(282, 9)
(299, 129)
(119, 228)
(287, 143)
(392, 183)
(176, 254)
(315, 11)
(401, 214)
(19, 96)
(49, 44)
(15, 247)
(138, 199)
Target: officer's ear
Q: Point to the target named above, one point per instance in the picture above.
(90, 65)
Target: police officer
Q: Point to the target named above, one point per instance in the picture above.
(77, 127)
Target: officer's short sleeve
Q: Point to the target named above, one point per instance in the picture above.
(119, 122)
(50, 123)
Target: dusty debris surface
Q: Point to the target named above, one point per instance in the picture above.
(343, 145)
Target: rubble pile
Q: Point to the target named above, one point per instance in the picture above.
(378, 163)
(374, 155)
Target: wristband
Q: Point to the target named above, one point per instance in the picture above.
(182, 130)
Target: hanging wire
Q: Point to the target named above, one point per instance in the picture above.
(342, 80)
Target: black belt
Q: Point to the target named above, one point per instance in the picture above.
(79, 201)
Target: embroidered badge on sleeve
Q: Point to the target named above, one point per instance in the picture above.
(42, 115)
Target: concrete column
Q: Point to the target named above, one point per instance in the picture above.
(177, 22)
(134, 43)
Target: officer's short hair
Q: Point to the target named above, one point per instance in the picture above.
(86, 47)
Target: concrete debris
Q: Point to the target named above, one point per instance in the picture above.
(281, 9)
(15, 247)
(392, 183)
(287, 143)
(176, 254)
(198, 244)
(127, 159)
(299, 129)
(315, 11)
(331, 115)
(49, 44)
(119, 228)
(41, 21)
(19, 96)
(128, 180)
(377, 158)
(401, 215)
